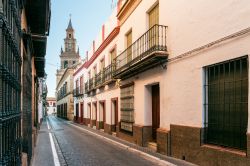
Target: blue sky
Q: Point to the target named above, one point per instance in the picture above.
(87, 18)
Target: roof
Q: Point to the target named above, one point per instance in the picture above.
(70, 27)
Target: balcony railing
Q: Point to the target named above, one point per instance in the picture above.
(91, 83)
(146, 52)
(101, 79)
(87, 87)
(79, 91)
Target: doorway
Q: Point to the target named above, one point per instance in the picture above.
(155, 110)
(94, 115)
(114, 114)
(82, 114)
(102, 115)
(88, 115)
(77, 112)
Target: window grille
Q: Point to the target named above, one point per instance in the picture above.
(10, 79)
(127, 107)
(226, 104)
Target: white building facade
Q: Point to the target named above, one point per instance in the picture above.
(51, 106)
(180, 79)
(96, 91)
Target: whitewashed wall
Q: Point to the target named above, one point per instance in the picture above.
(191, 24)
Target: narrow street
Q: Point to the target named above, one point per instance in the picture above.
(77, 147)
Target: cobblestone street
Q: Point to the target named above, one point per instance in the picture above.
(78, 147)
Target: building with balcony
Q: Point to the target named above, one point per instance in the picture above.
(24, 27)
(96, 91)
(70, 58)
(179, 78)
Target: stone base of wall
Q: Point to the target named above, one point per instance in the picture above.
(84, 121)
(87, 121)
(125, 136)
(186, 144)
(99, 125)
(163, 141)
(142, 134)
(107, 128)
(113, 128)
(92, 123)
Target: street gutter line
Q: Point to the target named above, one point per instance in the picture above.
(143, 154)
(55, 156)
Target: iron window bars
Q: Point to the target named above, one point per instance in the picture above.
(10, 87)
(226, 104)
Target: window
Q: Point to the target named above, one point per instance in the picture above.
(70, 36)
(154, 16)
(129, 43)
(112, 56)
(226, 104)
(54, 104)
(65, 64)
(102, 64)
(74, 62)
(66, 84)
(127, 107)
(94, 72)
(89, 76)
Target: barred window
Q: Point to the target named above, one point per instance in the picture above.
(127, 107)
(226, 104)
(10, 86)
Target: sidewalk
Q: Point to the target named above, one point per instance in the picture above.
(43, 153)
(133, 147)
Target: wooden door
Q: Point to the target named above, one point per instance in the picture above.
(77, 112)
(155, 109)
(104, 112)
(129, 50)
(95, 109)
(81, 108)
(114, 110)
(89, 113)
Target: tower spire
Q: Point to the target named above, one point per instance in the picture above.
(70, 23)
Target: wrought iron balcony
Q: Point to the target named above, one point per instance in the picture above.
(105, 77)
(146, 52)
(87, 87)
(92, 83)
(79, 91)
(101, 79)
